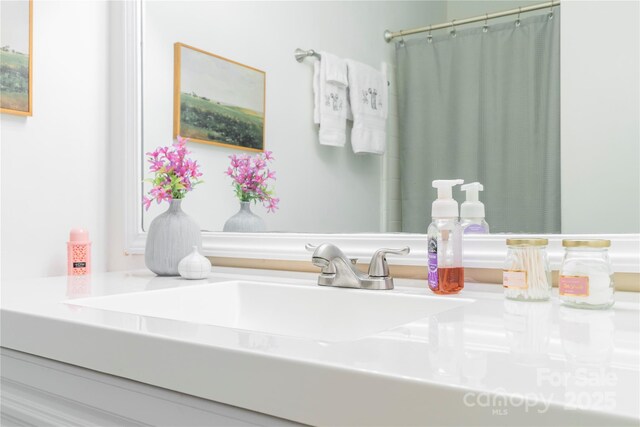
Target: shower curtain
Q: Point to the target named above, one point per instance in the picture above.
(483, 105)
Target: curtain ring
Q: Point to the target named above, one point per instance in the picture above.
(518, 20)
(453, 29)
(485, 27)
(550, 15)
(429, 36)
(401, 42)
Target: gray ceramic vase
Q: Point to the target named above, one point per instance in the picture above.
(172, 236)
(245, 221)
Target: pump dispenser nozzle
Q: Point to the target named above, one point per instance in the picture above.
(472, 207)
(445, 206)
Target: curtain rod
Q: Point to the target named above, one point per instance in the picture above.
(390, 35)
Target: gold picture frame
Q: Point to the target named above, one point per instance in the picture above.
(218, 101)
(10, 101)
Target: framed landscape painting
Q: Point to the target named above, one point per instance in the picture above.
(16, 18)
(217, 101)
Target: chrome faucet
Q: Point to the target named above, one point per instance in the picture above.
(338, 270)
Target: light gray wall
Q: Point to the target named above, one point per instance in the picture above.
(54, 168)
(600, 48)
(459, 9)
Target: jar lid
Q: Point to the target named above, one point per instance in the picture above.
(587, 243)
(527, 242)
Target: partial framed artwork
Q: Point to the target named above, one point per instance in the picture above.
(217, 101)
(16, 57)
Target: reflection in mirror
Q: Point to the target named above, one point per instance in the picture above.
(484, 106)
(479, 102)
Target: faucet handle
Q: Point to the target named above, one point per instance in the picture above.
(378, 266)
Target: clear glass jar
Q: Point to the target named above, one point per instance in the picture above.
(586, 275)
(526, 275)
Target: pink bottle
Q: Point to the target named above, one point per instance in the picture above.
(78, 253)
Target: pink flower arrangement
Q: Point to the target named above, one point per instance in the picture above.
(175, 173)
(251, 179)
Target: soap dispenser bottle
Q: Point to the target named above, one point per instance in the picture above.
(472, 211)
(444, 241)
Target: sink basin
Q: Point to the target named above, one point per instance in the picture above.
(312, 312)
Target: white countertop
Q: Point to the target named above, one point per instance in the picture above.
(490, 362)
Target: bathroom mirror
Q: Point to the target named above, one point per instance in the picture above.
(326, 189)
(595, 84)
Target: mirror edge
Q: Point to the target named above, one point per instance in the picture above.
(126, 116)
(479, 251)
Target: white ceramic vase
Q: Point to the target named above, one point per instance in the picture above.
(194, 266)
(171, 237)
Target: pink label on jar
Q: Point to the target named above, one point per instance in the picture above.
(514, 279)
(577, 286)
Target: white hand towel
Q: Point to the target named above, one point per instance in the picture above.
(331, 106)
(368, 94)
(335, 69)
